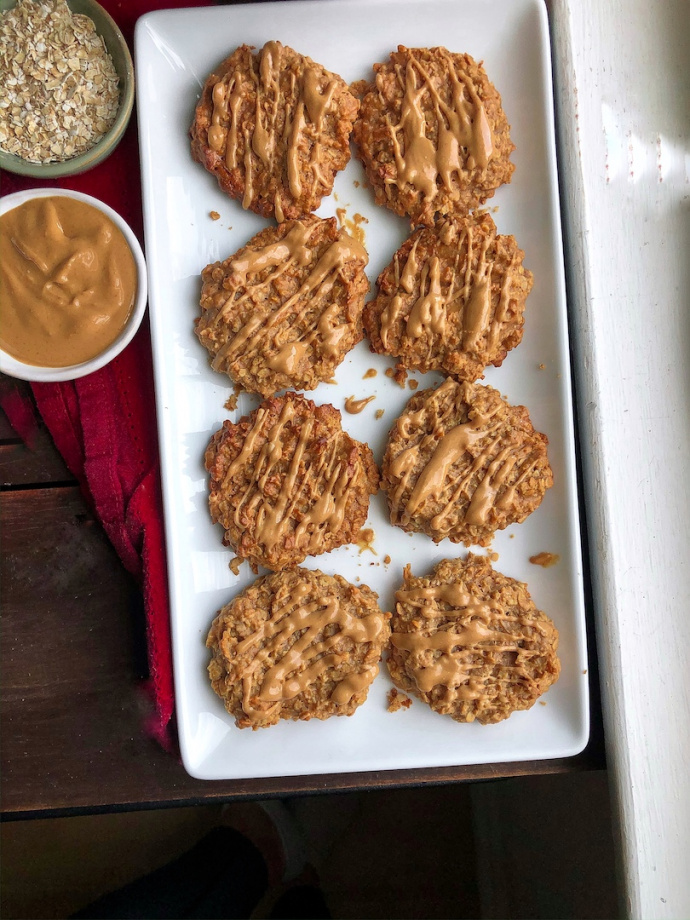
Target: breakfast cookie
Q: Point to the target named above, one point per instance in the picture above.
(286, 308)
(287, 482)
(432, 134)
(296, 644)
(451, 300)
(274, 128)
(471, 643)
(462, 463)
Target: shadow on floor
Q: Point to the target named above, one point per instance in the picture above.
(529, 847)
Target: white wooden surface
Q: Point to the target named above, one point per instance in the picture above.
(622, 70)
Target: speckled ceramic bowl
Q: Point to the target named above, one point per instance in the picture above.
(15, 368)
(122, 59)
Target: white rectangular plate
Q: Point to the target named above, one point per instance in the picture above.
(175, 52)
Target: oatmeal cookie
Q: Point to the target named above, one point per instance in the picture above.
(287, 482)
(451, 300)
(432, 134)
(274, 128)
(286, 308)
(297, 644)
(462, 463)
(471, 643)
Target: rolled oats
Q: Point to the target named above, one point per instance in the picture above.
(59, 91)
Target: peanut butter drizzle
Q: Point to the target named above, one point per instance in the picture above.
(353, 684)
(256, 335)
(306, 123)
(407, 282)
(478, 304)
(304, 660)
(319, 492)
(288, 359)
(463, 649)
(434, 308)
(278, 208)
(353, 225)
(452, 594)
(355, 406)
(462, 126)
(428, 310)
(494, 463)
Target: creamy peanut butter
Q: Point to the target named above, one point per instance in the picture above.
(68, 282)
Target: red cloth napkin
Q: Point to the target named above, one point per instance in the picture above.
(104, 425)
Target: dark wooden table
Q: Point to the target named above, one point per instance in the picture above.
(73, 658)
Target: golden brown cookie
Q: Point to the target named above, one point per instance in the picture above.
(461, 463)
(471, 643)
(432, 134)
(297, 644)
(286, 482)
(286, 308)
(274, 128)
(451, 300)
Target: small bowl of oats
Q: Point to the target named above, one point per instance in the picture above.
(66, 86)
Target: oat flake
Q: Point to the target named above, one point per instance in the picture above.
(59, 92)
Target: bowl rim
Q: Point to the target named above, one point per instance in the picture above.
(105, 146)
(38, 374)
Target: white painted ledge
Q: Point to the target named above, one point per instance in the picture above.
(622, 74)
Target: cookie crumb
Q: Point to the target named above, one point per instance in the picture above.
(397, 700)
(413, 384)
(545, 560)
(235, 564)
(372, 372)
(387, 560)
(231, 402)
(542, 367)
(365, 541)
(400, 375)
(214, 215)
(379, 413)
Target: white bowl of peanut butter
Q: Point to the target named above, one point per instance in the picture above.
(72, 285)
